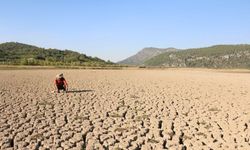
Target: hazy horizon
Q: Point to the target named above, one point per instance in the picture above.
(113, 30)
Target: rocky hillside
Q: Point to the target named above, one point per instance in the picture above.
(219, 56)
(144, 55)
(22, 54)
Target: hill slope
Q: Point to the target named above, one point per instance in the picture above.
(18, 53)
(144, 55)
(219, 56)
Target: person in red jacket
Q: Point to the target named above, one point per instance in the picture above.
(60, 83)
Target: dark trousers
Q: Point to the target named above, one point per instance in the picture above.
(60, 87)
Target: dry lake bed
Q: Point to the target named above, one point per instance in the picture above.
(125, 109)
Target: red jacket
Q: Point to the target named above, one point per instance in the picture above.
(60, 82)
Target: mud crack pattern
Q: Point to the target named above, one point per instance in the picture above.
(125, 109)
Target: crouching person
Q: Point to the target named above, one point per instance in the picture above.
(60, 83)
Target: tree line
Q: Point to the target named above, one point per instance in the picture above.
(13, 53)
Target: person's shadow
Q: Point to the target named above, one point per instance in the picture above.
(79, 91)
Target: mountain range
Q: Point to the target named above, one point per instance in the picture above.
(218, 56)
(144, 55)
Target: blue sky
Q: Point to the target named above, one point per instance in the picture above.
(116, 29)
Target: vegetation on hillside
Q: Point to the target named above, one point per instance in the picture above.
(144, 55)
(13, 53)
(220, 56)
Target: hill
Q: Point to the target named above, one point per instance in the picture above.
(13, 53)
(219, 56)
(144, 55)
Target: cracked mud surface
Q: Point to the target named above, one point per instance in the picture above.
(125, 109)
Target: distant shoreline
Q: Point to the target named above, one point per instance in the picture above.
(16, 67)
(23, 67)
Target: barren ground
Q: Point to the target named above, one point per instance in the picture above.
(125, 109)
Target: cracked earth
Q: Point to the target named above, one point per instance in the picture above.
(125, 109)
